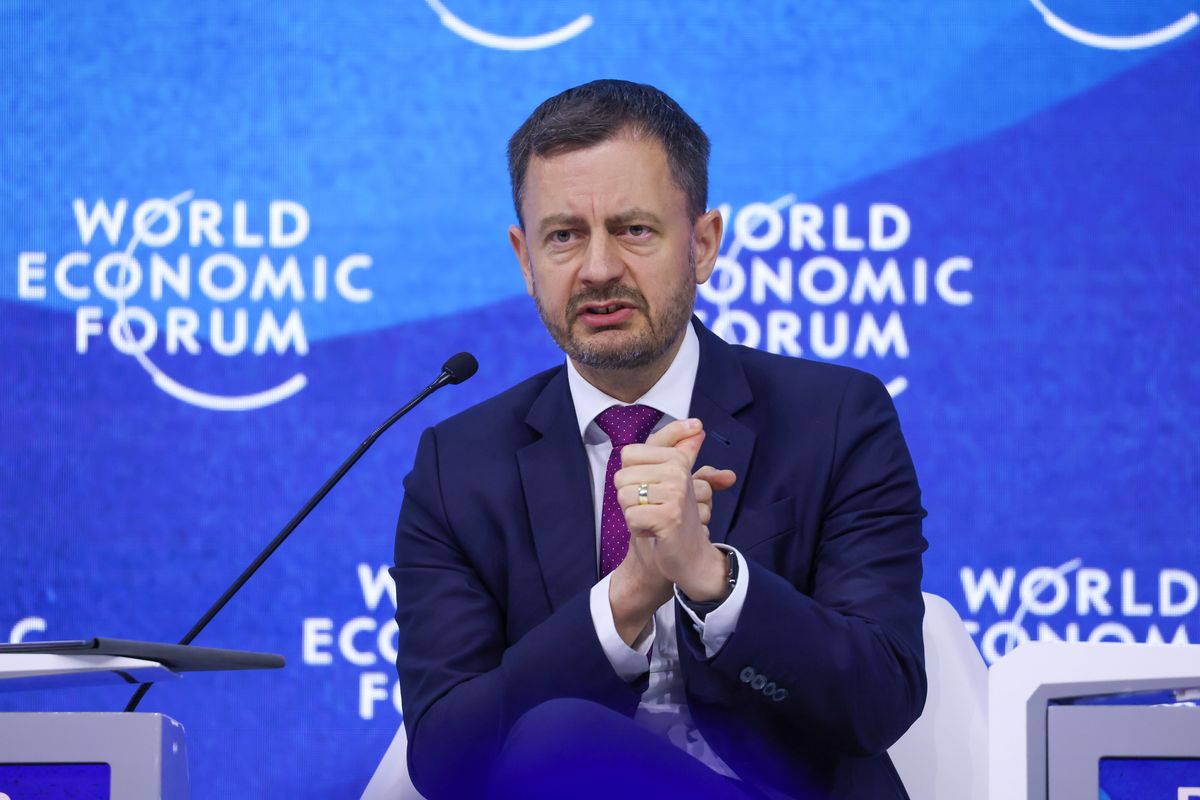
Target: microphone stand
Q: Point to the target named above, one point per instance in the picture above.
(456, 370)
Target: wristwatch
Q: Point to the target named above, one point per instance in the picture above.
(701, 609)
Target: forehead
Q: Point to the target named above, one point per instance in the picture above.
(603, 180)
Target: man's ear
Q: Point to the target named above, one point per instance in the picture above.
(706, 242)
(516, 238)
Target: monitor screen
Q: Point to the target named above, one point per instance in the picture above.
(54, 781)
(1140, 778)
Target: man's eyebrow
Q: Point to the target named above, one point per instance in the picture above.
(560, 221)
(627, 217)
(635, 215)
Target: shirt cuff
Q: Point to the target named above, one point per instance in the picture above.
(719, 624)
(630, 663)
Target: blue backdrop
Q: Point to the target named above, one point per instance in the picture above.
(235, 238)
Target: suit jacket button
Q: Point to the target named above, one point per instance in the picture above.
(769, 689)
(747, 674)
(780, 694)
(758, 682)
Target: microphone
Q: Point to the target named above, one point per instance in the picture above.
(458, 368)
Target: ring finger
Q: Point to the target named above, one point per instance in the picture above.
(639, 494)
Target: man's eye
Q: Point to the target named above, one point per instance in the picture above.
(638, 231)
(560, 237)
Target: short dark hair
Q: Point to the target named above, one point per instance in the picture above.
(595, 112)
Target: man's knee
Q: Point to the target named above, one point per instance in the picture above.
(559, 729)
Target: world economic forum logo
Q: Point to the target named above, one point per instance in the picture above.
(835, 282)
(1006, 605)
(170, 281)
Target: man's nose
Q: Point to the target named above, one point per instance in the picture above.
(602, 262)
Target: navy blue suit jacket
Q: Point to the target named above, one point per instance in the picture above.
(496, 552)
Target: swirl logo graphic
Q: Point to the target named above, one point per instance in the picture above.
(1137, 41)
(498, 41)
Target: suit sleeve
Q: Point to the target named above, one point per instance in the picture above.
(842, 664)
(463, 683)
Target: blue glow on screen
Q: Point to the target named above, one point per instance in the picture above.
(1148, 778)
(55, 781)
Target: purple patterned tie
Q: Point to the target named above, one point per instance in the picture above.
(624, 425)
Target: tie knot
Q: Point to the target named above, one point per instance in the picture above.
(628, 424)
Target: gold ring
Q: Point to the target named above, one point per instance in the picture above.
(643, 494)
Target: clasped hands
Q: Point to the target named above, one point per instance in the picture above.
(668, 532)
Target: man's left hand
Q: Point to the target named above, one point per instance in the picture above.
(681, 549)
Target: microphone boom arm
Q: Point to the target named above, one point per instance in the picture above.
(456, 370)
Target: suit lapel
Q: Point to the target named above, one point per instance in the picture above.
(721, 391)
(557, 485)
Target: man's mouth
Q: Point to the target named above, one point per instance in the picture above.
(603, 309)
(602, 314)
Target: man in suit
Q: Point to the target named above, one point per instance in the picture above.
(585, 613)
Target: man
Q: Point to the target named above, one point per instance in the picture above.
(581, 615)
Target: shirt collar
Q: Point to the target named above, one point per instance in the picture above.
(672, 394)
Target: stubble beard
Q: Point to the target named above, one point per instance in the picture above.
(631, 351)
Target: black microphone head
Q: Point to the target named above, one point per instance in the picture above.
(459, 367)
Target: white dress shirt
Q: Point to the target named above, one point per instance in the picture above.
(663, 708)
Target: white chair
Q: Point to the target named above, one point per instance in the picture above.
(944, 755)
(391, 781)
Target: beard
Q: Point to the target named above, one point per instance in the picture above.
(635, 349)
